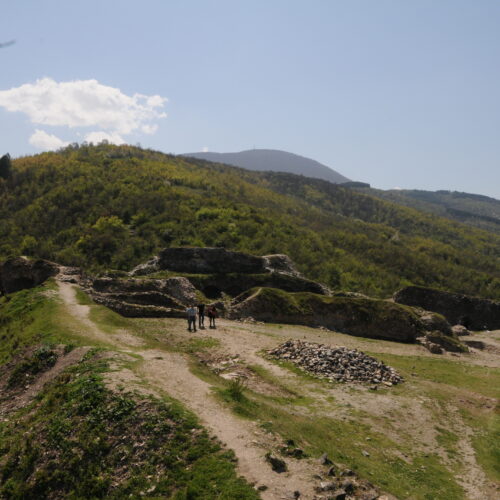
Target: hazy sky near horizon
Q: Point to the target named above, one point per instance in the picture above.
(397, 93)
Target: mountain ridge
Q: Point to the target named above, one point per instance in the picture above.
(275, 160)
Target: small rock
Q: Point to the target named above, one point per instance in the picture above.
(347, 472)
(332, 471)
(348, 485)
(338, 495)
(297, 453)
(327, 485)
(365, 453)
(324, 460)
(460, 330)
(277, 464)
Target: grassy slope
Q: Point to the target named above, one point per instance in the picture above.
(81, 440)
(108, 206)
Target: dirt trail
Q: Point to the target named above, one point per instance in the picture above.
(169, 372)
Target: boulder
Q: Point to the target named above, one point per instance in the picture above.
(437, 342)
(472, 312)
(460, 330)
(19, 273)
(362, 317)
(149, 267)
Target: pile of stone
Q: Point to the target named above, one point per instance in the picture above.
(336, 363)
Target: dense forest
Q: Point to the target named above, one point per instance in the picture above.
(472, 209)
(107, 206)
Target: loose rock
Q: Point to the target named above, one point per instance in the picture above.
(336, 363)
(277, 464)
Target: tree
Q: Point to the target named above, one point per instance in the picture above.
(5, 167)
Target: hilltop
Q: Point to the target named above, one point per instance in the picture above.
(106, 206)
(274, 160)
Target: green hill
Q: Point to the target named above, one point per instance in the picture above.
(472, 209)
(115, 206)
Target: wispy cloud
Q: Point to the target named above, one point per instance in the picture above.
(84, 104)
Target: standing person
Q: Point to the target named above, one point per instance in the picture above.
(212, 314)
(201, 316)
(191, 317)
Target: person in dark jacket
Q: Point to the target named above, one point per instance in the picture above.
(212, 314)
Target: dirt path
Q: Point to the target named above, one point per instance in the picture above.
(169, 372)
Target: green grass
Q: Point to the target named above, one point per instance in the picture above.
(80, 440)
(448, 441)
(31, 317)
(82, 298)
(198, 344)
(485, 441)
(456, 374)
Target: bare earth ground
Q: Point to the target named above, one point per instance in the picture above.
(164, 371)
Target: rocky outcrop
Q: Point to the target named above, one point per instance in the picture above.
(149, 267)
(131, 307)
(437, 342)
(472, 312)
(213, 285)
(336, 364)
(176, 288)
(215, 271)
(19, 273)
(144, 297)
(357, 316)
(207, 260)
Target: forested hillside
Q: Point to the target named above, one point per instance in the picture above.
(114, 206)
(472, 209)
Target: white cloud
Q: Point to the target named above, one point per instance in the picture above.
(85, 103)
(46, 142)
(205, 149)
(99, 136)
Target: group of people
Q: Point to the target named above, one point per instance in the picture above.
(199, 310)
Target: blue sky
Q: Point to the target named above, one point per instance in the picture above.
(399, 93)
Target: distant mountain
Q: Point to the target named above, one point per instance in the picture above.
(276, 161)
(472, 209)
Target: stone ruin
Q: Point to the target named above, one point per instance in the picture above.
(336, 364)
(474, 313)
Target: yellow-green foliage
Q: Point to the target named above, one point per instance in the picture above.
(115, 206)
